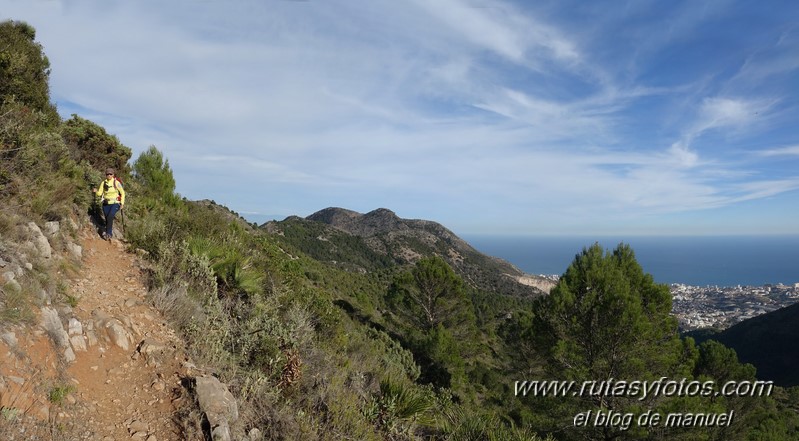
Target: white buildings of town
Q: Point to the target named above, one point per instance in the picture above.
(699, 307)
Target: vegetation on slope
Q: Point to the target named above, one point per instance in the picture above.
(767, 341)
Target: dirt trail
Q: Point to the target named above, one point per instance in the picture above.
(123, 392)
(116, 392)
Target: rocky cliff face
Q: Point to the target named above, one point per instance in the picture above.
(405, 241)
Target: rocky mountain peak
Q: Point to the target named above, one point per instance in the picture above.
(334, 216)
(381, 220)
(382, 213)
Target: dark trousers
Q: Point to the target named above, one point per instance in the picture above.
(110, 211)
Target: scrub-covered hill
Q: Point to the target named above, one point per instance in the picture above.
(380, 238)
(768, 342)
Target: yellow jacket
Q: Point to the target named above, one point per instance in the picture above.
(111, 191)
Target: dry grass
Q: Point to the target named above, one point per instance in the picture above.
(173, 300)
(188, 416)
(17, 406)
(16, 305)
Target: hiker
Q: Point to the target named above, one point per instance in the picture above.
(113, 199)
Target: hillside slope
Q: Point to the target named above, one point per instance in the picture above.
(768, 342)
(380, 238)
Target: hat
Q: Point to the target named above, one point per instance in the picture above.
(109, 170)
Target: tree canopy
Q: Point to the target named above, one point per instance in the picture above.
(606, 318)
(25, 70)
(437, 318)
(431, 294)
(152, 171)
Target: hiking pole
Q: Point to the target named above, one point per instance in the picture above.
(96, 209)
(101, 220)
(122, 210)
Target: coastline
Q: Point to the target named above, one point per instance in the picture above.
(713, 261)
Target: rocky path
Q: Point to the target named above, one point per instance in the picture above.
(128, 384)
(112, 372)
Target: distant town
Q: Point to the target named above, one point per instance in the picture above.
(698, 307)
(718, 307)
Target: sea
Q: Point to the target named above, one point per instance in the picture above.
(690, 260)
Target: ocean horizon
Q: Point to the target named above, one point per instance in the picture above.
(690, 260)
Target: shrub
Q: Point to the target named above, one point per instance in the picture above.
(90, 143)
(25, 70)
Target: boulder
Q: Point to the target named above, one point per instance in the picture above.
(51, 228)
(39, 241)
(75, 250)
(76, 335)
(118, 334)
(52, 324)
(218, 404)
(7, 276)
(10, 339)
(78, 343)
(69, 354)
(75, 327)
(151, 346)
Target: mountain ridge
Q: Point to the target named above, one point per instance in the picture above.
(404, 241)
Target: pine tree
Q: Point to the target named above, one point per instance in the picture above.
(436, 317)
(151, 170)
(606, 320)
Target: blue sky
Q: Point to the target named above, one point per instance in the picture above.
(492, 117)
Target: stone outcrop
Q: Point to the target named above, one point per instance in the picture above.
(79, 337)
(218, 404)
(51, 228)
(76, 337)
(75, 250)
(38, 241)
(51, 323)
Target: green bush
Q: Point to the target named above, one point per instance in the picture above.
(25, 70)
(400, 407)
(89, 143)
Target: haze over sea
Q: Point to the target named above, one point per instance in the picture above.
(692, 260)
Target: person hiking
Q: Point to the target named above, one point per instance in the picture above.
(112, 196)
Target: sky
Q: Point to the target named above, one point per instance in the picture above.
(489, 117)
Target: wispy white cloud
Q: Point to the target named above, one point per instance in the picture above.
(719, 112)
(763, 189)
(782, 151)
(681, 155)
(472, 113)
(770, 60)
(502, 28)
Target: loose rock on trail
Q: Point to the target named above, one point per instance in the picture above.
(107, 368)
